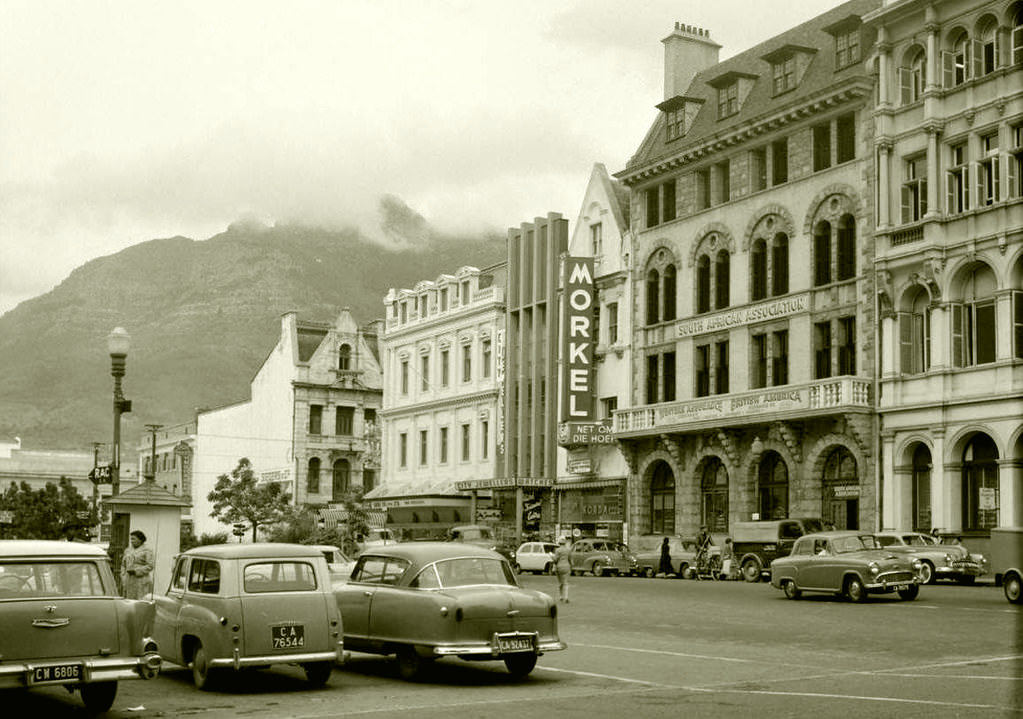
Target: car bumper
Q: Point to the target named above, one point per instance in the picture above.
(493, 649)
(238, 662)
(891, 582)
(105, 669)
(960, 569)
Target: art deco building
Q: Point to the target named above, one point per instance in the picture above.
(949, 260)
(754, 321)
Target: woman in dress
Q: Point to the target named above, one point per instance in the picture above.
(137, 567)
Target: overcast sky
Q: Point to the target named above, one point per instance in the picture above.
(123, 121)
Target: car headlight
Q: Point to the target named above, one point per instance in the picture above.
(874, 569)
(917, 565)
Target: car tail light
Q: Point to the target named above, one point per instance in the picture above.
(554, 611)
(458, 614)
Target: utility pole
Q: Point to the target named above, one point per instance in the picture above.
(152, 429)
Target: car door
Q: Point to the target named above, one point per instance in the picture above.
(284, 606)
(167, 627)
(355, 600)
(817, 566)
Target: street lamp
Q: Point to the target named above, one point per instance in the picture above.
(118, 344)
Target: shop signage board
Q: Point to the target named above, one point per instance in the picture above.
(577, 340)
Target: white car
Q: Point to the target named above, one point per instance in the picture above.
(536, 557)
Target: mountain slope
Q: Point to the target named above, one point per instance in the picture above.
(202, 316)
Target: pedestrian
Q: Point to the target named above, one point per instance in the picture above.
(137, 567)
(563, 568)
(665, 568)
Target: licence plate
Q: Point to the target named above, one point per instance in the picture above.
(287, 636)
(901, 587)
(515, 644)
(56, 673)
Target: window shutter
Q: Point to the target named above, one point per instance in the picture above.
(923, 197)
(995, 178)
(1017, 45)
(1012, 178)
(906, 343)
(958, 335)
(965, 184)
(1017, 322)
(905, 86)
(948, 69)
(907, 205)
(975, 60)
(950, 193)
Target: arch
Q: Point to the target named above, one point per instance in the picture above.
(831, 203)
(714, 494)
(980, 483)
(840, 488)
(711, 237)
(344, 357)
(772, 478)
(766, 222)
(340, 478)
(921, 463)
(312, 477)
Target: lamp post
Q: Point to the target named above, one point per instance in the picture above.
(118, 343)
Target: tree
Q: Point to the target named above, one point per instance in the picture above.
(240, 498)
(303, 525)
(57, 511)
(356, 525)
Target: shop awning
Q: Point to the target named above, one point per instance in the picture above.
(395, 490)
(562, 485)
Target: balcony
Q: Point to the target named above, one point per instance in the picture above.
(815, 399)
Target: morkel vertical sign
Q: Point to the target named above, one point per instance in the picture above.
(577, 340)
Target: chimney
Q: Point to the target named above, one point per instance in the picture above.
(687, 51)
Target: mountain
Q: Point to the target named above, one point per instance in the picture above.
(202, 316)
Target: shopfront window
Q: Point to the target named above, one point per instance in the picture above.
(980, 484)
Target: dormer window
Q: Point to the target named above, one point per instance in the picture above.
(679, 113)
(788, 65)
(676, 122)
(847, 40)
(732, 88)
(344, 357)
(728, 100)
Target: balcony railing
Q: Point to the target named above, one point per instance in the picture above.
(805, 400)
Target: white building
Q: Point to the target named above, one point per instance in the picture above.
(310, 422)
(440, 347)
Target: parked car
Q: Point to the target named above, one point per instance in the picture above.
(937, 561)
(64, 623)
(601, 557)
(1007, 561)
(535, 557)
(848, 563)
(475, 534)
(378, 537)
(422, 601)
(339, 564)
(647, 550)
(755, 545)
(231, 606)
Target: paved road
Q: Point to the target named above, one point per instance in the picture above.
(662, 648)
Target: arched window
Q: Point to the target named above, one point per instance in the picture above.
(758, 270)
(980, 484)
(973, 319)
(722, 280)
(344, 357)
(703, 284)
(714, 490)
(846, 248)
(653, 291)
(954, 67)
(780, 264)
(988, 48)
(773, 486)
(1017, 36)
(312, 477)
(340, 476)
(822, 253)
(662, 500)
(922, 521)
(912, 76)
(668, 312)
(915, 333)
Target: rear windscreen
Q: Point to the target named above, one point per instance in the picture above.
(279, 577)
(50, 579)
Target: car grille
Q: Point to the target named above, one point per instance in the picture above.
(900, 577)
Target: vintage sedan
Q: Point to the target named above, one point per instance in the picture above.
(231, 606)
(846, 563)
(647, 550)
(535, 557)
(937, 560)
(601, 557)
(425, 600)
(64, 623)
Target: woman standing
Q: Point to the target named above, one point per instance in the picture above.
(563, 568)
(665, 569)
(137, 567)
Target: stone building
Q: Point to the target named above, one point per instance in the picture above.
(754, 321)
(949, 261)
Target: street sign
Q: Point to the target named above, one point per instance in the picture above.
(101, 475)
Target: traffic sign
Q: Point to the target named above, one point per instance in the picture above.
(101, 475)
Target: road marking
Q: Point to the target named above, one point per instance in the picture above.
(816, 695)
(691, 656)
(970, 677)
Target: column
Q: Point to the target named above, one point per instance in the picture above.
(940, 512)
(934, 180)
(884, 170)
(1010, 492)
(889, 482)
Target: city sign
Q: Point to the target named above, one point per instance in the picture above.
(574, 433)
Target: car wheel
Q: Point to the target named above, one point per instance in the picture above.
(317, 673)
(791, 590)
(910, 593)
(98, 696)
(855, 590)
(926, 573)
(1011, 585)
(687, 572)
(202, 674)
(966, 579)
(410, 664)
(520, 665)
(751, 569)
(598, 570)
(648, 572)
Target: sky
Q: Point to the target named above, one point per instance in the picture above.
(123, 121)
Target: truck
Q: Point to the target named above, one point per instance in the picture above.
(1007, 561)
(756, 544)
